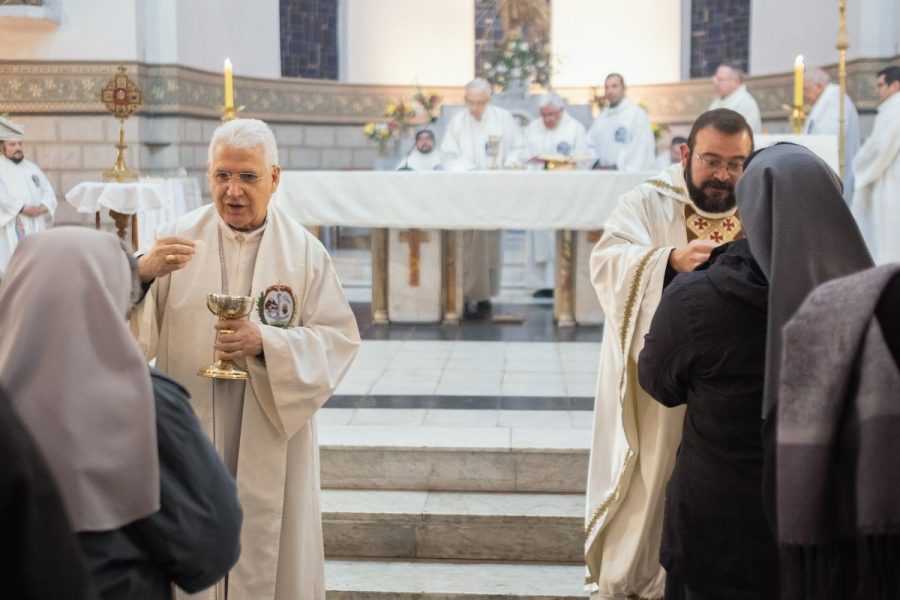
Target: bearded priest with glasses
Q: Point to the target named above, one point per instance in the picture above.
(667, 225)
(297, 344)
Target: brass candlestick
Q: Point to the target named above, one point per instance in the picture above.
(230, 113)
(842, 44)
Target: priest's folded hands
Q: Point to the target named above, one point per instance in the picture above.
(167, 254)
(237, 339)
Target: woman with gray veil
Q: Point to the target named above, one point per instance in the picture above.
(143, 488)
(801, 234)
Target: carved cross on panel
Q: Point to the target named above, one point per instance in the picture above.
(414, 237)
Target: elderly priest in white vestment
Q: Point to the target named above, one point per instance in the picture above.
(297, 345)
(621, 137)
(731, 92)
(824, 119)
(876, 201)
(27, 200)
(556, 133)
(481, 137)
(667, 225)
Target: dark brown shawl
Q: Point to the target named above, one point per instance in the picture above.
(838, 487)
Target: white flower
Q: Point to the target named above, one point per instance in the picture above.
(511, 45)
(507, 53)
(501, 68)
(516, 73)
(540, 64)
(523, 46)
(486, 66)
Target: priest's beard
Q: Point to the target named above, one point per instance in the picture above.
(707, 203)
(17, 157)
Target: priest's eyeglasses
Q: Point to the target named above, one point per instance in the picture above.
(247, 178)
(714, 163)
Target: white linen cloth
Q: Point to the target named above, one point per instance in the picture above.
(443, 200)
(126, 198)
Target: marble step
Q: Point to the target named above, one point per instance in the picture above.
(377, 580)
(483, 459)
(453, 525)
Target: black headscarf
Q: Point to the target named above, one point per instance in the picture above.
(801, 234)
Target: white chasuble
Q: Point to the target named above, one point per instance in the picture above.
(21, 185)
(465, 148)
(876, 201)
(824, 119)
(740, 101)
(635, 438)
(309, 341)
(621, 137)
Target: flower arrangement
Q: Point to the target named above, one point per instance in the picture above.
(381, 133)
(517, 59)
(428, 101)
(400, 115)
(399, 119)
(598, 99)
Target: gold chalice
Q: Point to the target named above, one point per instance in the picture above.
(227, 307)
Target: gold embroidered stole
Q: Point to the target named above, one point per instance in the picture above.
(699, 227)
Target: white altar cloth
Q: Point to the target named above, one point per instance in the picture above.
(126, 198)
(443, 200)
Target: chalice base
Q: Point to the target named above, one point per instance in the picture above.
(223, 369)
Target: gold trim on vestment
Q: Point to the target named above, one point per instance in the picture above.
(668, 187)
(632, 297)
(626, 319)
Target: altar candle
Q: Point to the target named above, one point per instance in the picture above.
(229, 84)
(798, 81)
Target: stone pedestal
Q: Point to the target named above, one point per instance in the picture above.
(414, 275)
(587, 307)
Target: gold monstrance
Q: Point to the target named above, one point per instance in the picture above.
(122, 97)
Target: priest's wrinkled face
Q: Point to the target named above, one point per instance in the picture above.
(725, 80)
(242, 185)
(425, 141)
(614, 89)
(551, 116)
(12, 149)
(476, 102)
(713, 166)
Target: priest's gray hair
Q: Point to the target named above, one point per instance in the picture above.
(736, 69)
(245, 134)
(479, 85)
(552, 99)
(817, 76)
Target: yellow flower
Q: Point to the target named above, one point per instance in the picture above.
(391, 109)
(369, 128)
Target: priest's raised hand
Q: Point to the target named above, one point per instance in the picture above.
(167, 254)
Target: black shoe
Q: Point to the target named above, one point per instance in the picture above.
(543, 293)
(472, 311)
(485, 306)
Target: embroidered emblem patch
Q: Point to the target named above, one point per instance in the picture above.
(564, 148)
(35, 180)
(277, 306)
(621, 135)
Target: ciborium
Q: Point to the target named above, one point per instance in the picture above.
(230, 308)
